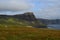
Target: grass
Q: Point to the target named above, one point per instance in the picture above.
(25, 33)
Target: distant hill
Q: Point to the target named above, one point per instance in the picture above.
(49, 21)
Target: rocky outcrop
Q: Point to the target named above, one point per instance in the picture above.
(28, 16)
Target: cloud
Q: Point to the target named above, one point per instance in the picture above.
(51, 9)
(14, 5)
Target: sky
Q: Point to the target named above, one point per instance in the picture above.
(47, 9)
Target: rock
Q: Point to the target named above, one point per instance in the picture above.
(29, 16)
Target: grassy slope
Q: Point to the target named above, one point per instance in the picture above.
(25, 33)
(9, 22)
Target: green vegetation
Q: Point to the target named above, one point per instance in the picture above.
(18, 28)
(26, 33)
(14, 29)
(10, 21)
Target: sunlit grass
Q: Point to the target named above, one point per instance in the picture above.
(25, 33)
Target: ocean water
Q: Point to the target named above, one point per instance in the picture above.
(54, 26)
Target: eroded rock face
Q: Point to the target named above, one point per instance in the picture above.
(29, 16)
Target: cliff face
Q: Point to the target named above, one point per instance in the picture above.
(28, 16)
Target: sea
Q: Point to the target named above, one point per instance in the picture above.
(54, 26)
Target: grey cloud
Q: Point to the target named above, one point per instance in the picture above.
(50, 11)
(14, 5)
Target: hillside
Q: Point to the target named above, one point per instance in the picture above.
(25, 20)
(25, 33)
(25, 27)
